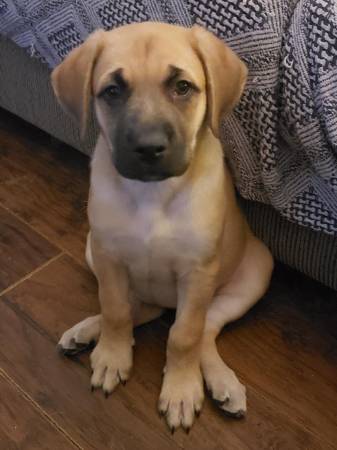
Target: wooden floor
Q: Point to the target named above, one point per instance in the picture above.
(284, 350)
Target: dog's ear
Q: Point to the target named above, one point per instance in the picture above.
(225, 75)
(71, 80)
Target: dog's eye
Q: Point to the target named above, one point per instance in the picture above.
(182, 87)
(113, 91)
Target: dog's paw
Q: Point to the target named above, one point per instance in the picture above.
(181, 397)
(226, 390)
(81, 336)
(111, 365)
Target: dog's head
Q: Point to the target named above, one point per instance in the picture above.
(155, 86)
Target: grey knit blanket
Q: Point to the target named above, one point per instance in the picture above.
(283, 134)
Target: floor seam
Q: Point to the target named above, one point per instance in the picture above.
(38, 408)
(30, 274)
(42, 235)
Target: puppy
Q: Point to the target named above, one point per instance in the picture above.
(166, 231)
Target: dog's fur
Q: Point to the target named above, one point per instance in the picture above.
(166, 231)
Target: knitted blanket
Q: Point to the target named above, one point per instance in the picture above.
(283, 134)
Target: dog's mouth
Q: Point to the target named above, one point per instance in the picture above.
(146, 178)
(152, 178)
(148, 174)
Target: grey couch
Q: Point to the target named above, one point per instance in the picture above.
(25, 90)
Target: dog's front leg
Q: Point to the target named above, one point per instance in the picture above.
(111, 360)
(182, 391)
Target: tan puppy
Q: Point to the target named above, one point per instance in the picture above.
(165, 228)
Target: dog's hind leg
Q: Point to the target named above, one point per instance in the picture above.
(85, 334)
(88, 254)
(246, 287)
(81, 336)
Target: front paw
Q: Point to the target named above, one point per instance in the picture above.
(181, 397)
(111, 364)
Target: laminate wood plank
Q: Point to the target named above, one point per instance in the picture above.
(23, 427)
(60, 386)
(45, 183)
(21, 249)
(57, 297)
(281, 415)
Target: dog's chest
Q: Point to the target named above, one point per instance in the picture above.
(154, 244)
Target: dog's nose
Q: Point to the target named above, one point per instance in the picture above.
(150, 145)
(150, 153)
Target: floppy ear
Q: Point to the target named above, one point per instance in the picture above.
(225, 75)
(71, 80)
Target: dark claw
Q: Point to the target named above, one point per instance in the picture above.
(197, 413)
(82, 345)
(187, 430)
(121, 380)
(221, 402)
(161, 413)
(235, 415)
(173, 430)
(240, 414)
(92, 388)
(80, 348)
(66, 351)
